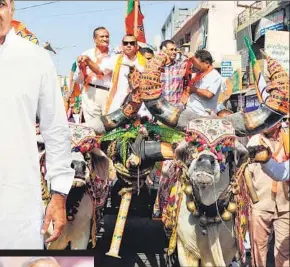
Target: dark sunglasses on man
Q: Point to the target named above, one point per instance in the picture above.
(132, 43)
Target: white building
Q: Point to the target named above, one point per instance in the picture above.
(174, 21)
(210, 26)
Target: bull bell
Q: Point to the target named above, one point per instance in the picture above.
(232, 207)
(188, 190)
(226, 216)
(191, 206)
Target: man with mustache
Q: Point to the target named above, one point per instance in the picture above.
(95, 86)
(204, 88)
(33, 91)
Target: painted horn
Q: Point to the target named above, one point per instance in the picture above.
(150, 88)
(128, 110)
(271, 109)
(254, 122)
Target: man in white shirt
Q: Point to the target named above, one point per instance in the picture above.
(30, 88)
(96, 87)
(119, 67)
(205, 86)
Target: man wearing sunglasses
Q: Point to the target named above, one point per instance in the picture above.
(119, 67)
(95, 86)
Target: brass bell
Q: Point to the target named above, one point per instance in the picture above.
(232, 207)
(191, 206)
(203, 221)
(188, 190)
(226, 216)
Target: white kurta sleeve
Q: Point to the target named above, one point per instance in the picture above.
(55, 130)
(277, 171)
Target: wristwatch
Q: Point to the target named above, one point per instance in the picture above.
(56, 192)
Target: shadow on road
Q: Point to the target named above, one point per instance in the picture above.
(142, 245)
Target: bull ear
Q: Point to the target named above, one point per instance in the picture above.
(240, 153)
(180, 151)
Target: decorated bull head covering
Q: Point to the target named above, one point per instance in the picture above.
(214, 135)
(83, 139)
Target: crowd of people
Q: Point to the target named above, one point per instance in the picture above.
(104, 82)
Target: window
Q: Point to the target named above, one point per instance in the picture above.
(187, 38)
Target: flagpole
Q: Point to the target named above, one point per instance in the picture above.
(136, 8)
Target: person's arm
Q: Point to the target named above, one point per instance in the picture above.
(210, 91)
(94, 66)
(55, 131)
(202, 92)
(277, 171)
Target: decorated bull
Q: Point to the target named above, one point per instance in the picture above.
(204, 194)
(89, 191)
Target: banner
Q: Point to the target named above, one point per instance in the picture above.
(277, 47)
(274, 22)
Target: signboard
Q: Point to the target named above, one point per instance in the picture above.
(251, 103)
(229, 64)
(274, 22)
(277, 47)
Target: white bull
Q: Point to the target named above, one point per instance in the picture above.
(86, 197)
(205, 237)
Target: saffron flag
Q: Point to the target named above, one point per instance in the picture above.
(130, 21)
(260, 80)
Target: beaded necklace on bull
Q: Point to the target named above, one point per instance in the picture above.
(220, 150)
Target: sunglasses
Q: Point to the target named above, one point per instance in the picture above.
(132, 43)
(172, 49)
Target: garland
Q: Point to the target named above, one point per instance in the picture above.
(130, 131)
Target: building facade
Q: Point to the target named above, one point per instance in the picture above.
(253, 22)
(210, 26)
(174, 21)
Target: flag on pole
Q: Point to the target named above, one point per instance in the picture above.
(134, 20)
(260, 82)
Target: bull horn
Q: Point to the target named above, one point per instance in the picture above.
(254, 122)
(275, 94)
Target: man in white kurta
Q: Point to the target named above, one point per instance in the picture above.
(29, 87)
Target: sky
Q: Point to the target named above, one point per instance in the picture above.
(68, 25)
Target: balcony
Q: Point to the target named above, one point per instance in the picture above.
(255, 7)
(256, 11)
(242, 17)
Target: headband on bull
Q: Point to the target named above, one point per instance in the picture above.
(214, 135)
